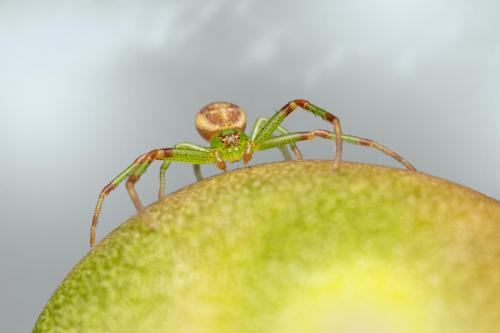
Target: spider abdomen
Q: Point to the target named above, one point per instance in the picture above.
(216, 117)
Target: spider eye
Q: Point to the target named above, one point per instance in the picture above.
(218, 116)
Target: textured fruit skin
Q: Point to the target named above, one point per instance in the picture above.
(294, 247)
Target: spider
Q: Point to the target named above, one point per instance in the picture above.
(223, 124)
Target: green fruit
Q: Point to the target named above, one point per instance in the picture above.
(294, 247)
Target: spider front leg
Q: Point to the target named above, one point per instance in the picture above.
(263, 121)
(138, 167)
(267, 130)
(302, 136)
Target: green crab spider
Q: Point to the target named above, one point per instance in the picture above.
(223, 124)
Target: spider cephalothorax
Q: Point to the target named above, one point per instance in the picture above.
(223, 125)
(229, 138)
(231, 145)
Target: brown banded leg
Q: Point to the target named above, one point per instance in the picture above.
(139, 166)
(110, 187)
(144, 163)
(133, 193)
(383, 149)
(302, 136)
(268, 129)
(116, 181)
(104, 192)
(362, 142)
(136, 201)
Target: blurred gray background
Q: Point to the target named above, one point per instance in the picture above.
(85, 87)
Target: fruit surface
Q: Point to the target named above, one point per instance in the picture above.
(294, 247)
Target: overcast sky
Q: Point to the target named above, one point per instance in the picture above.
(85, 87)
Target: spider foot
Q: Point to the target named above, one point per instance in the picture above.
(146, 218)
(336, 165)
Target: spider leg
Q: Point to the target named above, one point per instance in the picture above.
(302, 136)
(259, 123)
(163, 169)
(138, 167)
(197, 172)
(268, 129)
(166, 164)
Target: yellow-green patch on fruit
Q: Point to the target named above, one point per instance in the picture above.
(294, 247)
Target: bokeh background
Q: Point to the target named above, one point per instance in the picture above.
(87, 86)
